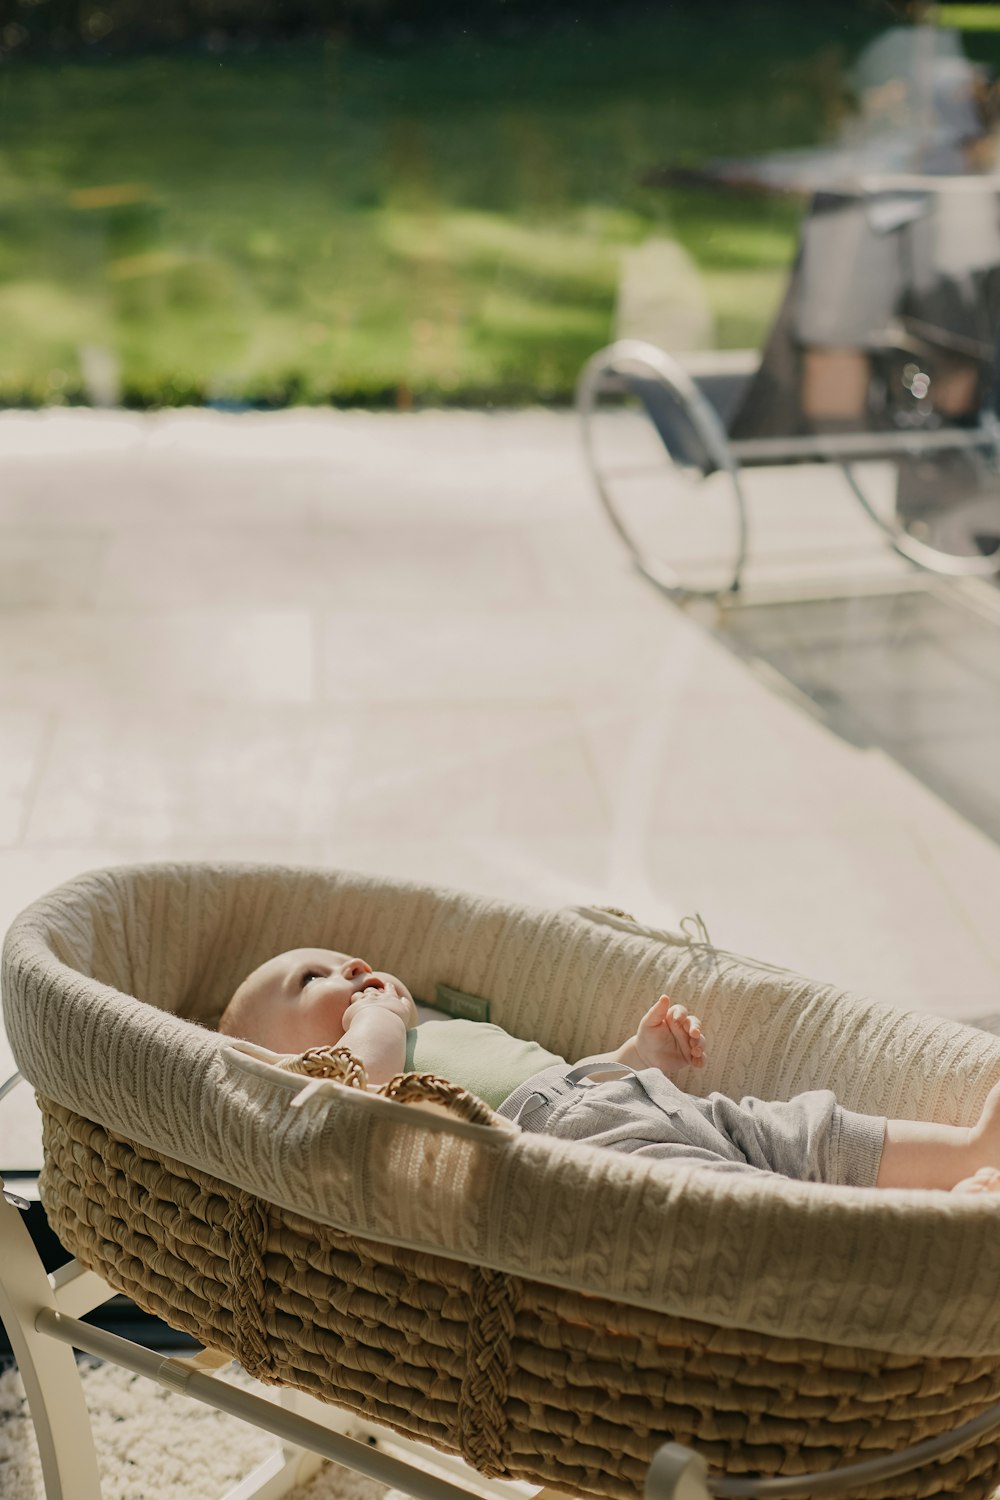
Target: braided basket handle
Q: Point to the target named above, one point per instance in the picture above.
(337, 1063)
(426, 1088)
(340, 1064)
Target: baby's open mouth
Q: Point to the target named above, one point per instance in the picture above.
(373, 982)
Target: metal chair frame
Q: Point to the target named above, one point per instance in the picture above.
(606, 373)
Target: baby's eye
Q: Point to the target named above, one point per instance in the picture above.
(309, 975)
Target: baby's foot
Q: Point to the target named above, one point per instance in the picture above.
(986, 1180)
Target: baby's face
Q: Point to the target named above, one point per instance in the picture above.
(298, 1000)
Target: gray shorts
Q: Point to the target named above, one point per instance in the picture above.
(809, 1137)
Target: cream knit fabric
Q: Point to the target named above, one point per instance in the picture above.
(104, 978)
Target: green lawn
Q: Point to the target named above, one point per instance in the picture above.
(442, 224)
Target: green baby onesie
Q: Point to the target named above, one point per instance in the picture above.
(479, 1056)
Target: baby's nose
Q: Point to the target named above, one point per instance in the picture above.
(356, 966)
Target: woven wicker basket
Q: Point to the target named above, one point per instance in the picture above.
(527, 1376)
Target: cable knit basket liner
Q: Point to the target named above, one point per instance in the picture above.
(549, 1310)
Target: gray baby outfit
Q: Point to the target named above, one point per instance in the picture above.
(810, 1137)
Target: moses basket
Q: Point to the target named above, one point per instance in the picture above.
(548, 1310)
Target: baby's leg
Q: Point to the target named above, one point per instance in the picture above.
(985, 1140)
(919, 1154)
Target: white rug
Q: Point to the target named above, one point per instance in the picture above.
(153, 1444)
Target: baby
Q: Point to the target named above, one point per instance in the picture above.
(624, 1100)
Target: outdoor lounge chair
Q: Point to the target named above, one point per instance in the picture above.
(545, 1310)
(884, 349)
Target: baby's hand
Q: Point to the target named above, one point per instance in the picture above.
(986, 1180)
(669, 1037)
(388, 999)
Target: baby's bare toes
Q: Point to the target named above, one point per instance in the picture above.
(986, 1180)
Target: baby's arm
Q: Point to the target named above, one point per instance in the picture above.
(375, 1027)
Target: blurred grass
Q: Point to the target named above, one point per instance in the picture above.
(320, 222)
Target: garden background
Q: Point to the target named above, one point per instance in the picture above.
(265, 203)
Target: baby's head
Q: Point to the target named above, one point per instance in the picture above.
(297, 1000)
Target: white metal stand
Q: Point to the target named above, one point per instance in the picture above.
(49, 1371)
